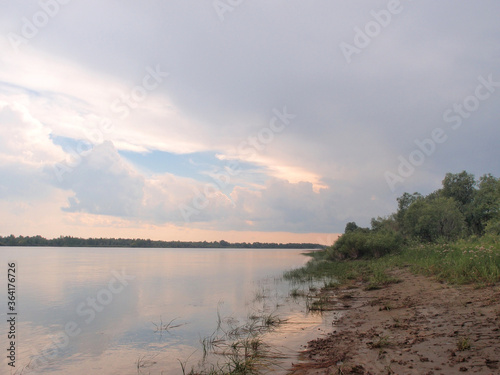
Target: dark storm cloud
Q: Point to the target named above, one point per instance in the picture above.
(355, 116)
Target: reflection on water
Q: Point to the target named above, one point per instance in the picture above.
(88, 310)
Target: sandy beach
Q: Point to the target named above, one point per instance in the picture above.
(416, 326)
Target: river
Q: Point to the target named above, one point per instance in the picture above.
(135, 311)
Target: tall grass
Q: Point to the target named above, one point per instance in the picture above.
(474, 260)
(236, 348)
(322, 270)
(371, 271)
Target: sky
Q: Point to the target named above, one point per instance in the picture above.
(271, 121)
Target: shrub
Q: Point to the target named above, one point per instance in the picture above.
(493, 227)
(432, 218)
(364, 243)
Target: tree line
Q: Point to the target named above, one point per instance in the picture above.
(68, 241)
(463, 207)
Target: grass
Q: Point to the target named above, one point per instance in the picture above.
(271, 320)
(166, 327)
(331, 284)
(261, 295)
(143, 362)
(318, 269)
(235, 348)
(333, 274)
(210, 343)
(379, 276)
(382, 342)
(296, 293)
(245, 356)
(397, 322)
(318, 303)
(472, 261)
(463, 343)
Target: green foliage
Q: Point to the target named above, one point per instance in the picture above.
(324, 270)
(351, 227)
(364, 243)
(493, 227)
(372, 271)
(388, 223)
(463, 343)
(432, 219)
(452, 234)
(404, 202)
(485, 205)
(473, 260)
(69, 241)
(379, 276)
(477, 201)
(459, 186)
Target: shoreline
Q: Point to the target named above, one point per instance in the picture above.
(416, 326)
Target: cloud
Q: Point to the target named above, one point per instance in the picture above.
(23, 139)
(225, 79)
(25, 149)
(104, 184)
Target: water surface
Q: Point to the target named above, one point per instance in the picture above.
(96, 310)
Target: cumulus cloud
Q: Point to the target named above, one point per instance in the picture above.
(23, 139)
(104, 184)
(25, 149)
(352, 122)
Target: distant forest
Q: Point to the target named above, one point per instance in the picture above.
(69, 241)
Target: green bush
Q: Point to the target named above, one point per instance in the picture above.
(430, 219)
(493, 227)
(364, 244)
(472, 260)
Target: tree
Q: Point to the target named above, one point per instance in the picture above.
(405, 201)
(364, 243)
(493, 227)
(431, 219)
(486, 204)
(459, 186)
(351, 227)
(462, 187)
(388, 223)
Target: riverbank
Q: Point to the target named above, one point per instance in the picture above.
(410, 325)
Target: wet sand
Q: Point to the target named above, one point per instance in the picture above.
(417, 326)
